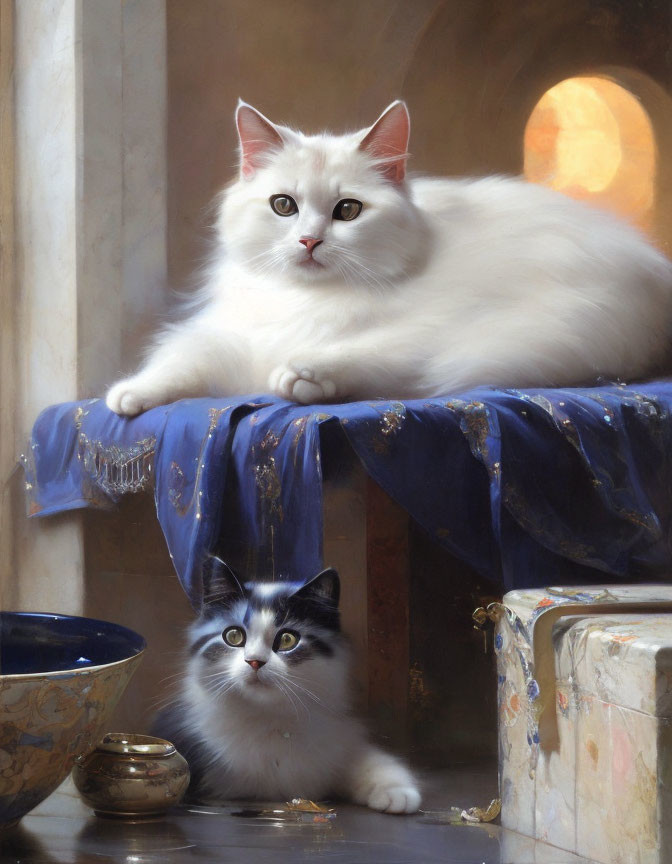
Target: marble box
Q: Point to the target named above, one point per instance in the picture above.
(585, 719)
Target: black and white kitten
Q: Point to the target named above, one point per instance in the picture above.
(264, 710)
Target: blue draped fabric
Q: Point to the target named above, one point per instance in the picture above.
(531, 487)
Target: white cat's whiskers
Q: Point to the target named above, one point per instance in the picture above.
(344, 273)
(293, 683)
(270, 260)
(172, 677)
(290, 681)
(217, 674)
(277, 679)
(217, 683)
(369, 274)
(294, 695)
(360, 273)
(174, 680)
(264, 260)
(163, 702)
(358, 265)
(348, 271)
(221, 689)
(252, 258)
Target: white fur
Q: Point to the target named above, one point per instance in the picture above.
(439, 285)
(284, 732)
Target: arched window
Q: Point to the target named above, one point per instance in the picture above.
(591, 139)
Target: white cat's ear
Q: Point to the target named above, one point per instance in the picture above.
(220, 584)
(387, 141)
(258, 137)
(323, 588)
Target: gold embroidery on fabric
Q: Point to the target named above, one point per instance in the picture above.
(268, 484)
(176, 484)
(391, 420)
(80, 413)
(118, 470)
(267, 481)
(270, 441)
(643, 406)
(475, 425)
(300, 426)
(177, 480)
(562, 423)
(542, 402)
(215, 414)
(27, 460)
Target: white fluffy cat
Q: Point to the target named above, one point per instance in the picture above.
(336, 277)
(265, 711)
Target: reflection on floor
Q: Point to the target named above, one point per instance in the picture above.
(64, 830)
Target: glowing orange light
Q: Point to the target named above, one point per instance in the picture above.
(591, 139)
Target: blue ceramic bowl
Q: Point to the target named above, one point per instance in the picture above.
(60, 679)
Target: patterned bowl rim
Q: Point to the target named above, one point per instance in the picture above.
(69, 673)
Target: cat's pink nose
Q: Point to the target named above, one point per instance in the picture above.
(256, 664)
(310, 243)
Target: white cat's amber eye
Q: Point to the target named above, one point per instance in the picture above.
(287, 640)
(234, 636)
(283, 205)
(347, 210)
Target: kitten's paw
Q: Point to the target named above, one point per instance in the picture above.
(301, 383)
(127, 399)
(394, 799)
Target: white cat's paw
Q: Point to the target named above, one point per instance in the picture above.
(394, 799)
(128, 399)
(301, 383)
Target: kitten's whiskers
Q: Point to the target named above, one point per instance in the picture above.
(284, 685)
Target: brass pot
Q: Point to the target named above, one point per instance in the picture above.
(131, 776)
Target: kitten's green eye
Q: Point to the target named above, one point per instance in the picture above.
(283, 205)
(347, 210)
(287, 640)
(234, 636)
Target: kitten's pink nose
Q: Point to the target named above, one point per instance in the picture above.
(310, 243)
(256, 664)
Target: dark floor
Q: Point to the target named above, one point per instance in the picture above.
(64, 830)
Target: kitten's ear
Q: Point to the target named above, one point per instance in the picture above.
(220, 584)
(387, 141)
(323, 588)
(257, 136)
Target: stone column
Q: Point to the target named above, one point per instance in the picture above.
(89, 239)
